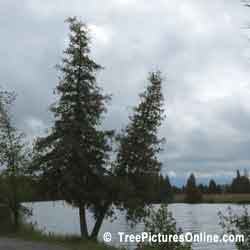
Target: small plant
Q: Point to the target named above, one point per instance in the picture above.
(237, 224)
(162, 222)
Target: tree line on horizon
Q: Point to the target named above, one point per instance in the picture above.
(194, 191)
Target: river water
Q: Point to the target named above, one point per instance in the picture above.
(60, 218)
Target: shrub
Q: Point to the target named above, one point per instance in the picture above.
(161, 221)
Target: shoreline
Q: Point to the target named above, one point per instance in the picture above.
(216, 198)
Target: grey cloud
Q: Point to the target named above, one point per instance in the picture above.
(200, 46)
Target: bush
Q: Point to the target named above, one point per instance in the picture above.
(237, 224)
(162, 222)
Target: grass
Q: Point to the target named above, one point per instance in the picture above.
(30, 233)
(5, 219)
(218, 198)
(70, 242)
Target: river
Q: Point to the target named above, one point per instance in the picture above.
(61, 218)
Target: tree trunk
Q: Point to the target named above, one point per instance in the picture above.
(83, 222)
(15, 202)
(16, 219)
(99, 221)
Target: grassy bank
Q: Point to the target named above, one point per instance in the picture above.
(68, 242)
(28, 232)
(5, 219)
(218, 198)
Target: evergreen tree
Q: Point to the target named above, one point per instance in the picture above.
(193, 194)
(14, 158)
(72, 157)
(212, 187)
(203, 188)
(240, 184)
(166, 192)
(139, 145)
(238, 174)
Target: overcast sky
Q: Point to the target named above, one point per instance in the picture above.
(201, 46)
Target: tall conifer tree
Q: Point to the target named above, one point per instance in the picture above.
(137, 158)
(72, 157)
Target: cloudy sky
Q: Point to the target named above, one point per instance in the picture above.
(201, 46)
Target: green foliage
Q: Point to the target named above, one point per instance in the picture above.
(212, 187)
(137, 163)
(162, 222)
(237, 225)
(164, 191)
(14, 159)
(193, 194)
(72, 158)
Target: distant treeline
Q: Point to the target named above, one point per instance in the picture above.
(193, 192)
(239, 184)
(34, 190)
(162, 189)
